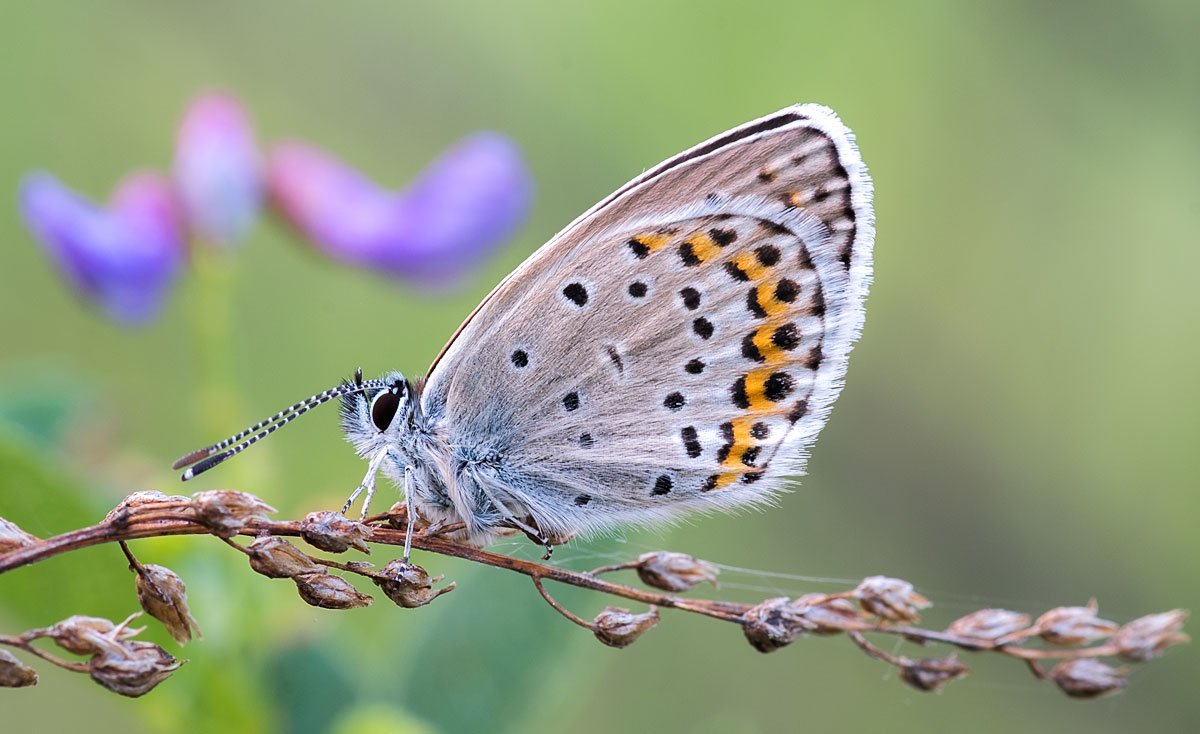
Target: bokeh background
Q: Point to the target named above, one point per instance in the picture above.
(1019, 427)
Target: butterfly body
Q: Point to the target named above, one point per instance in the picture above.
(675, 349)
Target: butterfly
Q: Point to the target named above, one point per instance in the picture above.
(676, 348)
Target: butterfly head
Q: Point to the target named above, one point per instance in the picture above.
(373, 411)
(374, 415)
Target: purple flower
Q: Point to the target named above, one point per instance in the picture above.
(124, 257)
(461, 207)
(218, 170)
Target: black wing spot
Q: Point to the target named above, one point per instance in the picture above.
(727, 434)
(691, 298)
(520, 358)
(586, 441)
(570, 401)
(773, 227)
(687, 254)
(695, 366)
(750, 350)
(722, 237)
(662, 485)
(615, 356)
(813, 358)
(638, 289)
(576, 293)
(753, 304)
(583, 499)
(786, 337)
(816, 306)
(738, 393)
(703, 327)
(768, 255)
(778, 386)
(736, 272)
(674, 401)
(798, 411)
(750, 455)
(786, 290)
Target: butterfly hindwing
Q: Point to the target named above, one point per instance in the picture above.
(679, 346)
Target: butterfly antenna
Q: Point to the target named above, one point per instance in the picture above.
(202, 460)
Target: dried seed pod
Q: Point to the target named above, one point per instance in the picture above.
(132, 668)
(773, 624)
(1073, 625)
(890, 599)
(327, 591)
(163, 596)
(89, 635)
(141, 501)
(14, 673)
(13, 537)
(989, 625)
(1088, 678)
(397, 516)
(827, 616)
(276, 558)
(674, 571)
(931, 674)
(409, 585)
(334, 532)
(226, 512)
(618, 627)
(1145, 638)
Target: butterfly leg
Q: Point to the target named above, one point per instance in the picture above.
(509, 520)
(411, 511)
(535, 535)
(368, 484)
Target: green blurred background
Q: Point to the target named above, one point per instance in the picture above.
(1019, 427)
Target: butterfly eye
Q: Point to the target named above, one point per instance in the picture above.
(384, 407)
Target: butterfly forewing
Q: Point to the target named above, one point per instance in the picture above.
(676, 348)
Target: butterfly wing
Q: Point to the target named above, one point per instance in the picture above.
(677, 347)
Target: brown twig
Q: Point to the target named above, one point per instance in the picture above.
(23, 642)
(537, 582)
(181, 524)
(878, 605)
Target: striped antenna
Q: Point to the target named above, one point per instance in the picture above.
(201, 460)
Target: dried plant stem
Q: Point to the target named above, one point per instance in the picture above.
(873, 650)
(1075, 637)
(24, 642)
(537, 582)
(134, 564)
(166, 524)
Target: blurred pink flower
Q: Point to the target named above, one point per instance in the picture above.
(457, 212)
(218, 169)
(124, 257)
